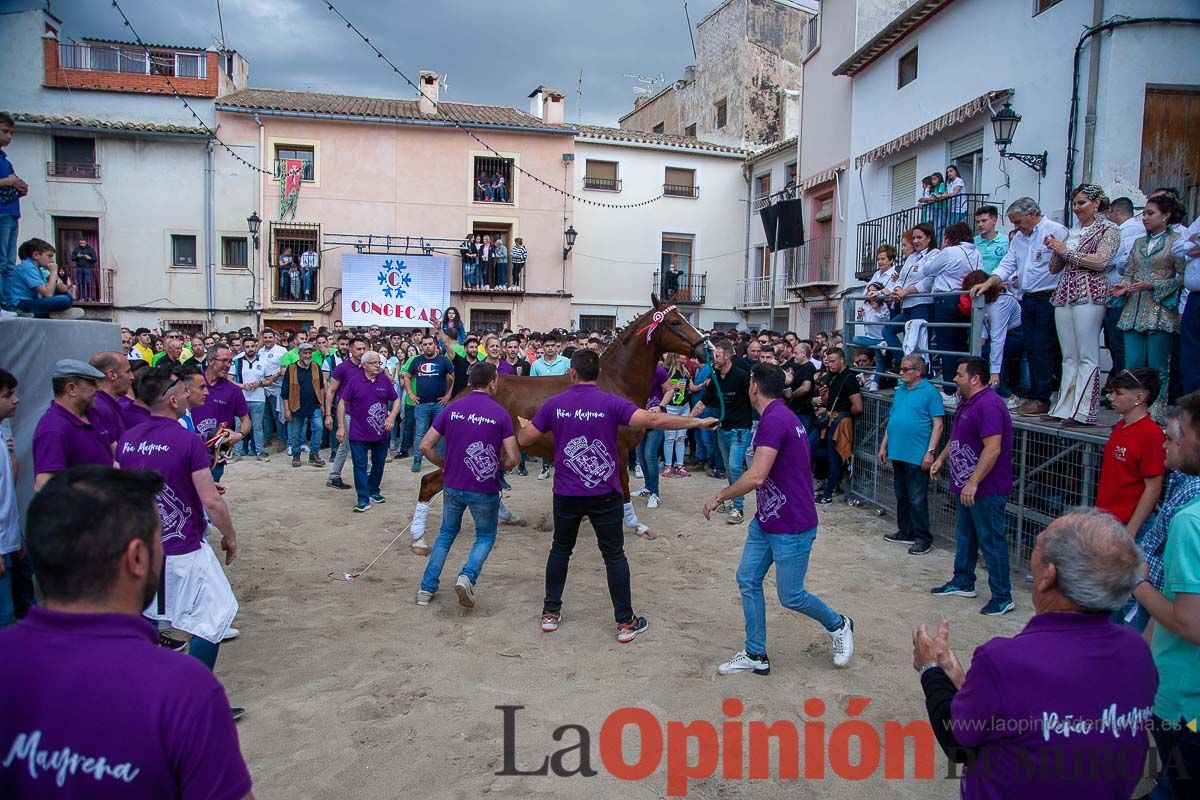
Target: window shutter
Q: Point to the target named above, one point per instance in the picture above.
(966, 145)
(904, 185)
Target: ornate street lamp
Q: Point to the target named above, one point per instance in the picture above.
(570, 233)
(1004, 128)
(254, 222)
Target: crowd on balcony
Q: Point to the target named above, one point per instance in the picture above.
(488, 265)
(297, 275)
(491, 187)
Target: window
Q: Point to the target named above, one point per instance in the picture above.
(677, 254)
(680, 183)
(74, 157)
(1042, 5)
(722, 112)
(812, 35)
(690, 130)
(966, 153)
(305, 154)
(601, 175)
(183, 250)
(907, 69)
(823, 320)
(295, 256)
(235, 251)
(904, 185)
(791, 174)
(596, 322)
(493, 180)
(162, 64)
(762, 191)
(190, 65)
(489, 321)
(660, 127)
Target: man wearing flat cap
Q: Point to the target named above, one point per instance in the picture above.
(71, 432)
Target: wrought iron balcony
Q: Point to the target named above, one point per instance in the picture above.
(679, 190)
(756, 292)
(94, 289)
(604, 184)
(69, 169)
(818, 262)
(890, 229)
(689, 290)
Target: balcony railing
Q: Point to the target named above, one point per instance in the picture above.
(69, 169)
(760, 203)
(132, 60)
(817, 261)
(890, 229)
(604, 184)
(93, 287)
(690, 288)
(680, 190)
(295, 285)
(756, 292)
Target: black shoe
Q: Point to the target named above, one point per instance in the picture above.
(898, 538)
(238, 712)
(524, 473)
(166, 640)
(403, 454)
(919, 549)
(337, 483)
(824, 500)
(316, 460)
(296, 460)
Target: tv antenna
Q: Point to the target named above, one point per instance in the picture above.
(579, 99)
(649, 83)
(444, 84)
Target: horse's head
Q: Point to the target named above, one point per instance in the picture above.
(669, 331)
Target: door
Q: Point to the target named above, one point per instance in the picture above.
(67, 233)
(1170, 146)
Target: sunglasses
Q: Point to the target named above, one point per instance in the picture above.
(1134, 379)
(170, 386)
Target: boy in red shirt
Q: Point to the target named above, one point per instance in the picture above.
(1131, 475)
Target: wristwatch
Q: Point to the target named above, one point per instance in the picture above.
(929, 666)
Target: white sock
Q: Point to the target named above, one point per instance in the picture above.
(631, 516)
(505, 514)
(418, 523)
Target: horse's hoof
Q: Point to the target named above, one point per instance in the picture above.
(644, 532)
(419, 547)
(515, 521)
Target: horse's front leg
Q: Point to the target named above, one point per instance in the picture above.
(631, 518)
(431, 485)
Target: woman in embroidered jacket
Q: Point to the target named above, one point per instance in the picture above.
(1079, 302)
(1151, 287)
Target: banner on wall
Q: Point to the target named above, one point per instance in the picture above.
(289, 187)
(394, 291)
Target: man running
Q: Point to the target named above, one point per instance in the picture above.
(584, 421)
(479, 443)
(783, 528)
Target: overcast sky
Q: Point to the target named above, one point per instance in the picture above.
(492, 52)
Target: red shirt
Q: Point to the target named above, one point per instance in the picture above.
(1133, 453)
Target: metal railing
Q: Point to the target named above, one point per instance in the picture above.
(816, 261)
(604, 184)
(756, 292)
(690, 289)
(132, 60)
(295, 286)
(1054, 469)
(890, 229)
(759, 203)
(70, 169)
(680, 190)
(94, 288)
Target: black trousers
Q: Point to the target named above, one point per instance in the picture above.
(1179, 756)
(606, 513)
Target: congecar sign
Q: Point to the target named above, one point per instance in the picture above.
(393, 290)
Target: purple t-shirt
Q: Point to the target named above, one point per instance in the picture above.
(62, 440)
(785, 500)
(225, 403)
(656, 395)
(475, 427)
(505, 368)
(982, 415)
(1070, 691)
(110, 412)
(164, 446)
(344, 373)
(368, 404)
(131, 413)
(584, 420)
(146, 724)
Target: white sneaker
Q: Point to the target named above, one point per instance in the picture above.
(545, 473)
(466, 591)
(843, 642)
(643, 492)
(743, 662)
(419, 547)
(652, 502)
(231, 633)
(637, 472)
(67, 313)
(423, 597)
(1013, 402)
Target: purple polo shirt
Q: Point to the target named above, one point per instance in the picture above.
(785, 499)
(367, 405)
(62, 440)
(980, 416)
(131, 413)
(1069, 688)
(656, 395)
(344, 373)
(110, 411)
(505, 368)
(225, 403)
(584, 420)
(164, 446)
(145, 722)
(475, 427)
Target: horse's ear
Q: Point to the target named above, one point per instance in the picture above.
(654, 301)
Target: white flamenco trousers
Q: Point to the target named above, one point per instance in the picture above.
(1079, 337)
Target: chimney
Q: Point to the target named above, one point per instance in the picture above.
(790, 111)
(547, 105)
(427, 100)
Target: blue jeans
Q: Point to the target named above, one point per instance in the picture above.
(316, 424)
(912, 501)
(872, 344)
(981, 526)
(825, 446)
(485, 511)
(8, 248)
(502, 273)
(945, 309)
(6, 595)
(257, 412)
(409, 430)
(648, 450)
(1189, 346)
(789, 553)
(45, 306)
(205, 651)
(85, 277)
(734, 445)
(306, 280)
(1037, 318)
(425, 414)
(367, 483)
(894, 334)
(1114, 339)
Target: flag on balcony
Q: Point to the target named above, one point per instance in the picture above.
(289, 187)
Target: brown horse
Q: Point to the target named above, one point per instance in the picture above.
(626, 369)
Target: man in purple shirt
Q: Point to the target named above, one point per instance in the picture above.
(980, 459)
(117, 380)
(102, 711)
(783, 529)
(225, 404)
(369, 405)
(195, 596)
(71, 432)
(341, 376)
(1060, 710)
(584, 422)
(479, 444)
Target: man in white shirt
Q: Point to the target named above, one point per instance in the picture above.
(271, 352)
(249, 373)
(1132, 229)
(1026, 269)
(308, 273)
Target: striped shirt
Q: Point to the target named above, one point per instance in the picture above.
(519, 254)
(1181, 489)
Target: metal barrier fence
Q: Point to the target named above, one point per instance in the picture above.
(1053, 470)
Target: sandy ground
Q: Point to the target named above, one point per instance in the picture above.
(354, 691)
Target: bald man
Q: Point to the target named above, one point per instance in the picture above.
(117, 380)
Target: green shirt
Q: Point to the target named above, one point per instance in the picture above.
(1178, 661)
(293, 355)
(991, 253)
(408, 398)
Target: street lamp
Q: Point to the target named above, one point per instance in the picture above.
(1004, 128)
(570, 233)
(254, 222)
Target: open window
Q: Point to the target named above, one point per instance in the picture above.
(493, 179)
(295, 263)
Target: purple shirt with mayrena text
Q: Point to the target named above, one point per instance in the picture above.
(104, 713)
(225, 403)
(785, 499)
(584, 420)
(475, 427)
